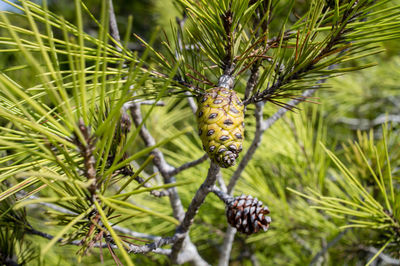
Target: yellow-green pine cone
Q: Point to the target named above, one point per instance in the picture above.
(221, 125)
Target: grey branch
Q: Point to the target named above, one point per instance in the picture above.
(221, 182)
(364, 124)
(128, 105)
(190, 252)
(191, 102)
(252, 81)
(116, 227)
(159, 161)
(261, 127)
(152, 247)
(281, 112)
(194, 206)
(386, 258)
(227, 246)
(113, 24)
(330, 244)
(160, 193)
(252, 149)
(226, 198)
(188, 165)
(151, 102)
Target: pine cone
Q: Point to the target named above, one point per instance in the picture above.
(247, 215)
(221, 127)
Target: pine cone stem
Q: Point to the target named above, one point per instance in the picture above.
(226, 198)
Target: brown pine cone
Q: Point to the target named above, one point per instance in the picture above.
(247, 215)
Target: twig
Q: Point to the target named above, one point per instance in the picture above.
(364, 124)
(116, 227)
(152, 247)
(128, 105)
(151, 102)
(261, 127)
(227, 246)
(226, 198)
(185, 166)
(159, 161)
(190, 252)
(221, 182)
(86, 152)
(178, 51)
(194, 206)
(114, 32)
(330, 244)
(164, 169)
(253, 79)
(134, 233)
(281, 112)
(160, 193)
(252, 149)
(191, 102)
(386, 258)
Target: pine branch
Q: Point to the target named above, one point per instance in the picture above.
(136, 249)
(164, 168)
(258, 113)
(221, 182)
(86, 151)
(286, 77)
(153, 246)
(193, 208)
(328, 246)
(187, 165)
(261, 127)
(386, 258)
(159, 161)
(225, 250)
(365, 124)
(114, 32)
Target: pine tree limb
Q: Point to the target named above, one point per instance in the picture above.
(193, 208)
(221, 182)
(258, 113)
(164, 169)
(365, 124)
(187, 165)
(114, 32)
(386, 258)
(116, 227)
(160, 162)
(154, 247)
(225, 250)
(328, 246)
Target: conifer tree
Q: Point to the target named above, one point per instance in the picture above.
(83, 136)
